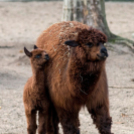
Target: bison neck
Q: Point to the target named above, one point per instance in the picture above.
(83, 76)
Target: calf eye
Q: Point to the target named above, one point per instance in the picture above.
(38, 56)
(89, 44)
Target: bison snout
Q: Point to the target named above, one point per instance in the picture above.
(104, 52)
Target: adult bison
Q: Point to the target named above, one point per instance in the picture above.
(76, 75)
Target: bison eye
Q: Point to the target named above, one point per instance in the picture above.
(38, 56)
(89, 44)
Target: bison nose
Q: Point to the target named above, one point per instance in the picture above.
(104, 51)
(46, 57)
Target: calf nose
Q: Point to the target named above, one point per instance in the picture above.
(46, 57)
(104, 51)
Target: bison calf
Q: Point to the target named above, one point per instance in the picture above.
(35, 95)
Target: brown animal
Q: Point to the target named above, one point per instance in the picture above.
(77, 77)
(35, 95)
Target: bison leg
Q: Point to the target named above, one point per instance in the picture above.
(55, 121)
(69, 121)
(101, 118)
(31, 122)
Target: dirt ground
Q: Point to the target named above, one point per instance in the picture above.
(21, 24)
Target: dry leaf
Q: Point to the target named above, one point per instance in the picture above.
(21, 51)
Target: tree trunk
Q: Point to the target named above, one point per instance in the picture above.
(92, 13)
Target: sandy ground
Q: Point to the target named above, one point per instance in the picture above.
(21, 24)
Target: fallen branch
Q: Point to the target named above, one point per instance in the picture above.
(123, 41)
(121, 87)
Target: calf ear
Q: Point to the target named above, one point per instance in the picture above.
(29, 54)
(35, 47)
(72, 43)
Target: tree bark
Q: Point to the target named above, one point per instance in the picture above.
(92, 13)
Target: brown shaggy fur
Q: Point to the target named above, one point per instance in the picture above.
(35, 95)
(76, 76)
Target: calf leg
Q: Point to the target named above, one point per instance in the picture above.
(31, 122)
(47, 122)
(101, 118)
(42, 123)
(69, 121)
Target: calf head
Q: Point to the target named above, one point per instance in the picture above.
(38, 57)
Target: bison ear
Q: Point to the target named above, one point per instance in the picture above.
(29, 54)
(35, 47)
(72, 43)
